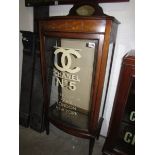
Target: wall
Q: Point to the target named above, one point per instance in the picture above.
(25, 23)
(125, 13)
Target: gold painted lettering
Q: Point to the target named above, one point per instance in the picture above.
(66, 55)
(72, 86)
(129, 138)
(58, 82)
(75, 78)
(132, 116)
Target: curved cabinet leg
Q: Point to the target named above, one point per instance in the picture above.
(91, 145)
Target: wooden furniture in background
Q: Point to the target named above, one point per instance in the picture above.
(56, 2)
(121, 134)
(31, 95)
(28, 40)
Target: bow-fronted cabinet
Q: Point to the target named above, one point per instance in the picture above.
(74, 54)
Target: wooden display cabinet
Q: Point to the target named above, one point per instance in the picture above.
(121, 134)
(74, 53)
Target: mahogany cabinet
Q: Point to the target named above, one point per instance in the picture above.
(74, 52)
(121, 134)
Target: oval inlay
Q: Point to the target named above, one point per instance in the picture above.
(85, 10)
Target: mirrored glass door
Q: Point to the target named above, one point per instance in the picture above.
(70, 68)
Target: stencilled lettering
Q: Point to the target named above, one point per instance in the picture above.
(64, 75)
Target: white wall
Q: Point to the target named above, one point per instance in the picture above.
(25, 23)
(125, 13)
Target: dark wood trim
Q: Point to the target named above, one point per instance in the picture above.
(69, 130)
(30, 3)
(101, 74)
(44, 81)
(112, 40)
(91, 145)
(96, 18)
(38, 13)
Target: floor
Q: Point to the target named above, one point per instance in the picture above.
(57, 143)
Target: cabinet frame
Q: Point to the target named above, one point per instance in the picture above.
(75, 27)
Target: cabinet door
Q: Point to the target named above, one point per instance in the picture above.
(70, 67)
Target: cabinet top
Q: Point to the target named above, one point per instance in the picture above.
(105, 17)
(77, 24)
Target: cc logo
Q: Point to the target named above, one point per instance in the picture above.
(66, 59)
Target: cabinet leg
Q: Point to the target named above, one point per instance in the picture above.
(47, 129)
(47, 126)
(91, 145)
